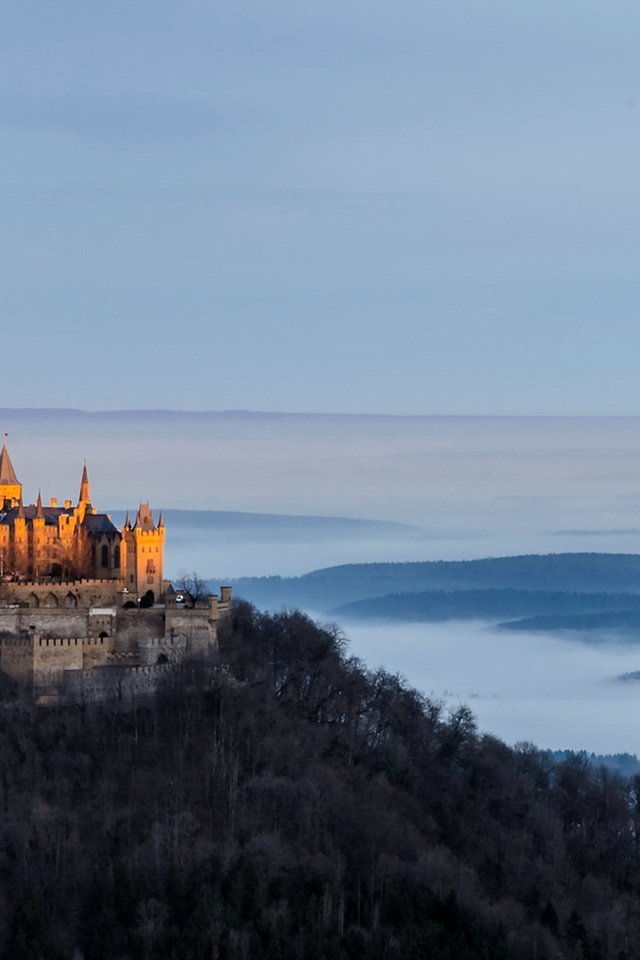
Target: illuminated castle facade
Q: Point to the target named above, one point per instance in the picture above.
(68, 542)
(85, 614)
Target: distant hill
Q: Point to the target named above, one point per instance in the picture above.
(536, 605)
(277, 525)
(625, 620)
(332, 587)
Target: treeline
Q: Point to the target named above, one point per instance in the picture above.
(543, 609)
(625, 620)
(287, 804)
(626, 764)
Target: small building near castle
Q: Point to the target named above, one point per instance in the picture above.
(84, 606)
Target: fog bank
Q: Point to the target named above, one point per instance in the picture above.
(557, 692)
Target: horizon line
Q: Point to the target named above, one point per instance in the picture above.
(239, 411)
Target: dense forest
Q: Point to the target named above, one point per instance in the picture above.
(541, 608)
(625, 621)
(282, 802)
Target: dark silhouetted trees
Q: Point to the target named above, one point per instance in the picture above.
(282, 802)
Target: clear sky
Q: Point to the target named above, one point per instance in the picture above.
(430, 206)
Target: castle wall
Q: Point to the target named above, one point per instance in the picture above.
(193, 627)
(45, 622)
(52, 656)
(132, 626)
(64, 652)
(115, 683)
(16, 658)
(69, 594)
(96, 651)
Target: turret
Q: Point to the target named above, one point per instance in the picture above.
(37, 537)
(10, 487)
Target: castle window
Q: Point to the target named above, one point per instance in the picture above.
(116, 557)
(104, 556)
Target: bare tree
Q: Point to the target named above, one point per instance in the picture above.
(192, 587)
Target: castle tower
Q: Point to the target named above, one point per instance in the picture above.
(144, 553)
(36, 541)
(10, 487)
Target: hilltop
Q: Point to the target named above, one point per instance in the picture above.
(285, 803)
(329, 589)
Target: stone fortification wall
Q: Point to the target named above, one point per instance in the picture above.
(16, 657)
(159, 650)
(66, 594)
(97, 650)
(137, 623)
(42, 661)
(46, 622)
(114, 683)
(103, 651)
(52, 656)
(193, 627)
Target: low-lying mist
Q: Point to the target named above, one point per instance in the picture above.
(477, 486)
(555, 691)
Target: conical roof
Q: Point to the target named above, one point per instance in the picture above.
(85, 493)
(7, 473)
(144, 518)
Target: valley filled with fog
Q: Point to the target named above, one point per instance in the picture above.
(280, 495)
(557, 691)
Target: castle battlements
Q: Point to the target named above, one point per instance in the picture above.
(52, 582)
(84, 605)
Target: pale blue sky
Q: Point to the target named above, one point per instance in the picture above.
(427, 207)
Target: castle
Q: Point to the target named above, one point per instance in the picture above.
(85, 610)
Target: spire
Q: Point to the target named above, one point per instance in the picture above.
(21, 514)
(85, 492)
(39, 510)
(7, 473)
(161, 520)
(127, 522)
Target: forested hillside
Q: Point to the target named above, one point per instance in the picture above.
(540, 606)
(285, 803)
(324, 590)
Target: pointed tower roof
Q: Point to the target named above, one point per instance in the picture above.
(21, 514)
(144, 518)
(39, 510)
(161, 520)
(7, 473)
(85, 490)
(127, 522)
